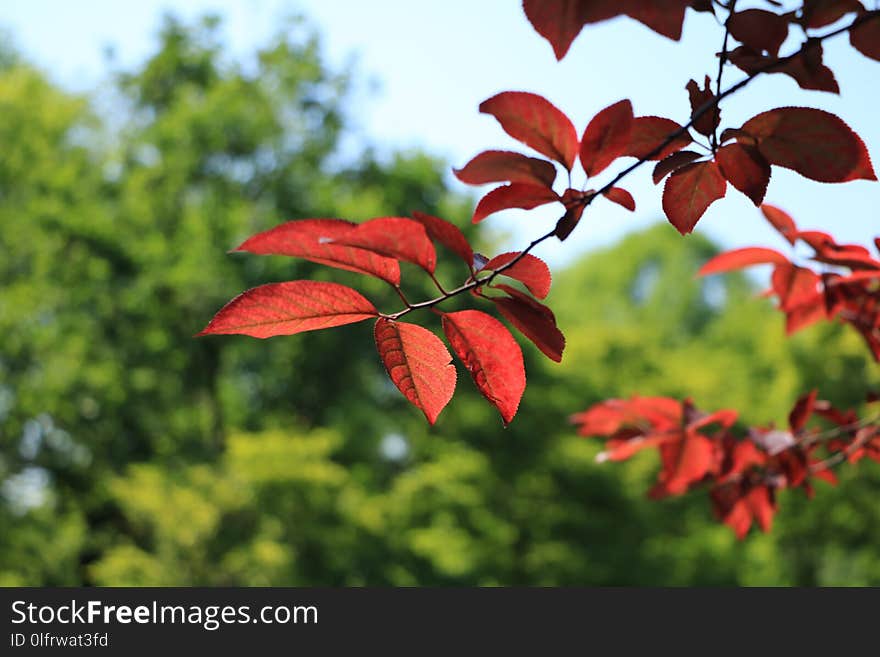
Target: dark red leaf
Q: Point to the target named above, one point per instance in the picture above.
(739, 258)
(781, 221)
(672, 162)
(606, 137)
(569, 220)
(708, 121)
(515, 195)
(759, 29)
(506, 166)
(621, 197)
(308, 238)
(649, 133)
(866, 38)
(812, 142)
(802, 411)
(536, 122)
(746, 169)
(690, 191)
(395, 237)
(806, 68)
(418, 363)
(491, 355)
(560, 21)
(819, 13)
(291, 307)
(534, 320)
(528, 270)
(448, 234)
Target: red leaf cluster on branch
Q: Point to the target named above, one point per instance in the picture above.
(847, 287)
(416, 360)
(742, 468)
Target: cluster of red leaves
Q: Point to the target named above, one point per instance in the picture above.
(847, 288)
(815, 143)
(760, 31)
(416, 360)
(742, 470)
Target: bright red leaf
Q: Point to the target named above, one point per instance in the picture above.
(515, 195)
(529, 270)
(536, 122)
(690, 191)
(491, 355)
(685, 461)
(815, 143)
(308, 238)
(606, 137)
(395, 237)
(739, 258)
(534, 320)
(418, 363)
(447, 234)
(650, 133)
(506, 166)
(746, 169)
(291, 307)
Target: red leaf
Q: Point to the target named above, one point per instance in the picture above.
(781, 221)
(802, 411)
(560, 21)
(819, 13)
(528, 270)
(288, 308)
(806, 68)
(739, 258)
(515, 195)
(866, 38)
(491, 355)
(418, 363)
(569, 220)
(759, 29)
(534, 320)
(536, 122)
(685, 461)
(672, 162)
(746, 169)
(708, 121)
(606, 137)
(665, 17)
(794, 285)
(812, 142)
(621, 197)
(690, 191)
(506, 166)
(649, 133)
(395, 237)
(308, 238)
(448, 234)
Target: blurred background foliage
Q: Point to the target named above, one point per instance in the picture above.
(133, 454)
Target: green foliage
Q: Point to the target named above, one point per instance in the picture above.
(132, 453)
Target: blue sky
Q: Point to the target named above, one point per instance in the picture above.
(425, 67)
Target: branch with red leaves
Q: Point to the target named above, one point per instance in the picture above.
(742, 468)
(812, 142)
